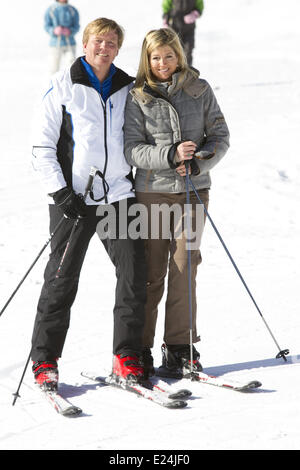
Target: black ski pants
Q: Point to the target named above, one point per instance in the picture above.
(58, 293)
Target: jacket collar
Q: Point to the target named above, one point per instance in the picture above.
(80, 76)
(191, 84)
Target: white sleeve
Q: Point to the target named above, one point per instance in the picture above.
(46, 134)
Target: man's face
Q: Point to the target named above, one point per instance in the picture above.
(101, 49)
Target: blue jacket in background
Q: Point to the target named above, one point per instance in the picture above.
(62, 14)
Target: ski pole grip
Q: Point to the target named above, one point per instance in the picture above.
(193, 165)
(89, 184)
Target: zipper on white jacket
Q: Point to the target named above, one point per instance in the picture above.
(105, 146)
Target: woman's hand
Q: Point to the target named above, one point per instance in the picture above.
(185, 151)
(181, 169)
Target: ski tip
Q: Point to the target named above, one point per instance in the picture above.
(255, 384)
(249, 386)
(175, 404)
(182, 393)
(71, 412)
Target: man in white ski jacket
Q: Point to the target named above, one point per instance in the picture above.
(81, 127)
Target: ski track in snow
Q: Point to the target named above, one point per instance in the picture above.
(249, 53)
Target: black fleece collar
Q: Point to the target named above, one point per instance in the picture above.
(80, 76)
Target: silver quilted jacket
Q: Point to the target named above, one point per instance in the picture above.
(157, 121)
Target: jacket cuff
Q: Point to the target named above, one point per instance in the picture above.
(59, 191)
(171, 156)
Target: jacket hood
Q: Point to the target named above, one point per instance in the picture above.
(191, 84)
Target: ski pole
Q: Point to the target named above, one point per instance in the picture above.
(187, 178)
(32, 265)
(88, 188)
(282, 352)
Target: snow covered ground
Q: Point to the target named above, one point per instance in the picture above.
(249, 51)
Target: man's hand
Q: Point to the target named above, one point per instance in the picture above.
(72, 204)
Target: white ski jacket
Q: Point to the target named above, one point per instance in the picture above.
(77, 130)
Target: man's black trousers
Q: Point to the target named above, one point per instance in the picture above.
(58, 293)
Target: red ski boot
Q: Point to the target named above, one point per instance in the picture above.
(127, 368)
(46, 374)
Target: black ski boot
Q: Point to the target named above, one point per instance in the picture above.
(176, 361)
(146, 361)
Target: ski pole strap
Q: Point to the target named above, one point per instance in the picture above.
(105, 187)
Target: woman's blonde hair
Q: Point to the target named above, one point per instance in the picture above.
(154, 39)
(103, 25)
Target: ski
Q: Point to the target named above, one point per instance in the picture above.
(146, 390)
(165, 388)
(217, 381)
(225, 383)
(60, 404)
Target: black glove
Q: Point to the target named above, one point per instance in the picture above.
(72, 204)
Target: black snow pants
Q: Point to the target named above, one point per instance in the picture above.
(58, 293)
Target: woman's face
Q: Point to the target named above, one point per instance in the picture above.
(163, 63)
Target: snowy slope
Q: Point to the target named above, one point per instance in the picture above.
(249, 51)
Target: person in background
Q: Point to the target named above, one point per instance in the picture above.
(181, 15)
(61, 23)
(171, 114)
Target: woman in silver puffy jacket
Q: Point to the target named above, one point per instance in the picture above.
(172, 116)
